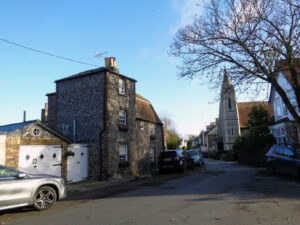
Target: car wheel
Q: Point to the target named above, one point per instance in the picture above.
(183, 169)
(44, 198)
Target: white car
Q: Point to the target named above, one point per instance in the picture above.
(18, 189)
(197, 157)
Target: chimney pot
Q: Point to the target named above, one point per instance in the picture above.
(110, 63)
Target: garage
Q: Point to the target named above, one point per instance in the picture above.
(38, 159)
(35, 148)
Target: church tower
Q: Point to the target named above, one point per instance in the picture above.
(228, 127)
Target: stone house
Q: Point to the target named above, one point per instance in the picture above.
(285, 129)
(233, 115)
(100, 107)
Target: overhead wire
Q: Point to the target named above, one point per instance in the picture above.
(46, 53)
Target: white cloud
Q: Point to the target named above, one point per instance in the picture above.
(187, 10)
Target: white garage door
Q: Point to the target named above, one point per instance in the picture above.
(78, 163)
(40, 159)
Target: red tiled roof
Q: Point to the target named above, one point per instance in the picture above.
(244, 108)
(284, 68)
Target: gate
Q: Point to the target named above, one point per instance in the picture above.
(77, 163)
(40, 159)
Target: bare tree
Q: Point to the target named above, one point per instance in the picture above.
(171, 137)
(252, 39)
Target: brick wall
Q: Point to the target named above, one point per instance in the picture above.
(52, 110)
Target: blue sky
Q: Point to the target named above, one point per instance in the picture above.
(137, 32)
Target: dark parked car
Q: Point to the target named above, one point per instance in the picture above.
(284, 159)
(175, 159)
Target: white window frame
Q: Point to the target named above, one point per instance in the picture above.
(122, 118)
(152, 128)
(36, 132)
(123, 152)
(152, 154)
(284, 108)
(278, 109)
(122, 86)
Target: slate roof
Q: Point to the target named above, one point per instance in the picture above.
(244, 108)
(92, 72)
(145, 111)
(11, 127)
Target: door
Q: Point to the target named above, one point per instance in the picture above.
(77, 163)
(40, 159)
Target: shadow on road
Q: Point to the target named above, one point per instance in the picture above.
(214, 182)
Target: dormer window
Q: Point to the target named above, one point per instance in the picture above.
(122, 86)
(152, 127)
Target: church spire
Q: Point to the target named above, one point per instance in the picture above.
(227, 86)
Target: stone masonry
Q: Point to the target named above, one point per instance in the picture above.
(228, 127)
(85, 108)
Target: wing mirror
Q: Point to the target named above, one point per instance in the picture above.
(21, 175)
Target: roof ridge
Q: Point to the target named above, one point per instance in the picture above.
(143, 100)
(252, 102)
(28, 121)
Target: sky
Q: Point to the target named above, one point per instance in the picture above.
(137, 32)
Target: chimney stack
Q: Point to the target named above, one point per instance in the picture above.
(24, 116)
(110, 63)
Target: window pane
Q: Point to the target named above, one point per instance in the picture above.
(152, 128)
(123, 152)
(8, 172)
(121, 86)
(122, 118)
(152, 154)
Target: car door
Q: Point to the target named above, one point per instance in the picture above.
(289, 164)
(275, 158)
(13, 190)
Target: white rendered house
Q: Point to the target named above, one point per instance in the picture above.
(284, 130)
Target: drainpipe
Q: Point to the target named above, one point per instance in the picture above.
(74, 131)
(104, 126)
(24, 116)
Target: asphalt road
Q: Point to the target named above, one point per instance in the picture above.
(219, 193)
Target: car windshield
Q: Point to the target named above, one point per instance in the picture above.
(168, 154)
(8, 172)
(191, 153)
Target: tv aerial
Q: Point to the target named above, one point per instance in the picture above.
(99, 54)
